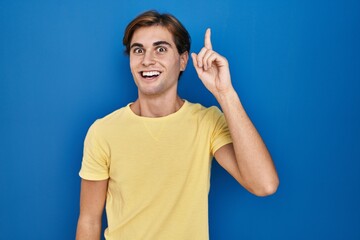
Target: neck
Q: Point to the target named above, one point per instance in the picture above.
(156, 107)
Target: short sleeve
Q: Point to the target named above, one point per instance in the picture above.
(221, 134)
(95, 162)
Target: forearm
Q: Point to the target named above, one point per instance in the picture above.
(88, 229)
(255, 165)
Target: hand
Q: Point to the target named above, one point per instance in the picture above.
(212, 68)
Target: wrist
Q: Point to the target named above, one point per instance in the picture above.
(228, 96)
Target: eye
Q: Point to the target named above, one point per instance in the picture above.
(138, 51)
(161, 49)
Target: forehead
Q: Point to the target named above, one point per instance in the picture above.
(152, 34)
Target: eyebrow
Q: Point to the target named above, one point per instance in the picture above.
(161, 43)
(157, 43)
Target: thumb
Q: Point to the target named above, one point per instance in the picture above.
(193, 56)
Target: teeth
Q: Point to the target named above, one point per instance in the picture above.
(150, 74)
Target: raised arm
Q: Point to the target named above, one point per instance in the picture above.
(92, 201)
(247, 159)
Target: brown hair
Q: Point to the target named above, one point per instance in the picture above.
(153, 18)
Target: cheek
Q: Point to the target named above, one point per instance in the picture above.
(177, 65)
(169, 61)
(133, 64)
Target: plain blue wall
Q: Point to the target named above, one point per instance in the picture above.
(295, 65)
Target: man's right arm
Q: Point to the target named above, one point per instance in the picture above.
(92, 201)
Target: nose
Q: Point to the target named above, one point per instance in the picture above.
(148, 59)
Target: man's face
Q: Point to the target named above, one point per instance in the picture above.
(154, 60)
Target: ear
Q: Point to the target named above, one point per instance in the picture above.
(184, 57)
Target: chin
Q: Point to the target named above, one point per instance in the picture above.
(153, 91)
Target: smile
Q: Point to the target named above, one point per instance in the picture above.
(150, 74)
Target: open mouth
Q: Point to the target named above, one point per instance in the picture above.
(150, 74)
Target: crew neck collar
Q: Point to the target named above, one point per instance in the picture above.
(171, 115)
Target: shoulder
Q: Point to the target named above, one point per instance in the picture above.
(202, 111)
(113, 116)
(110, 120)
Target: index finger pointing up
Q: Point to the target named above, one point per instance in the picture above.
(207, 43)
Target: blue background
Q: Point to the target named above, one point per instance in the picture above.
(295, 65)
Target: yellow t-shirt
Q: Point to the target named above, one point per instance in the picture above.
(158, 171)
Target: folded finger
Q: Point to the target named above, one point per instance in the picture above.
(200, 57)
(206, 62)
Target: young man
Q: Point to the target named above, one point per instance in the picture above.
(150, 161)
